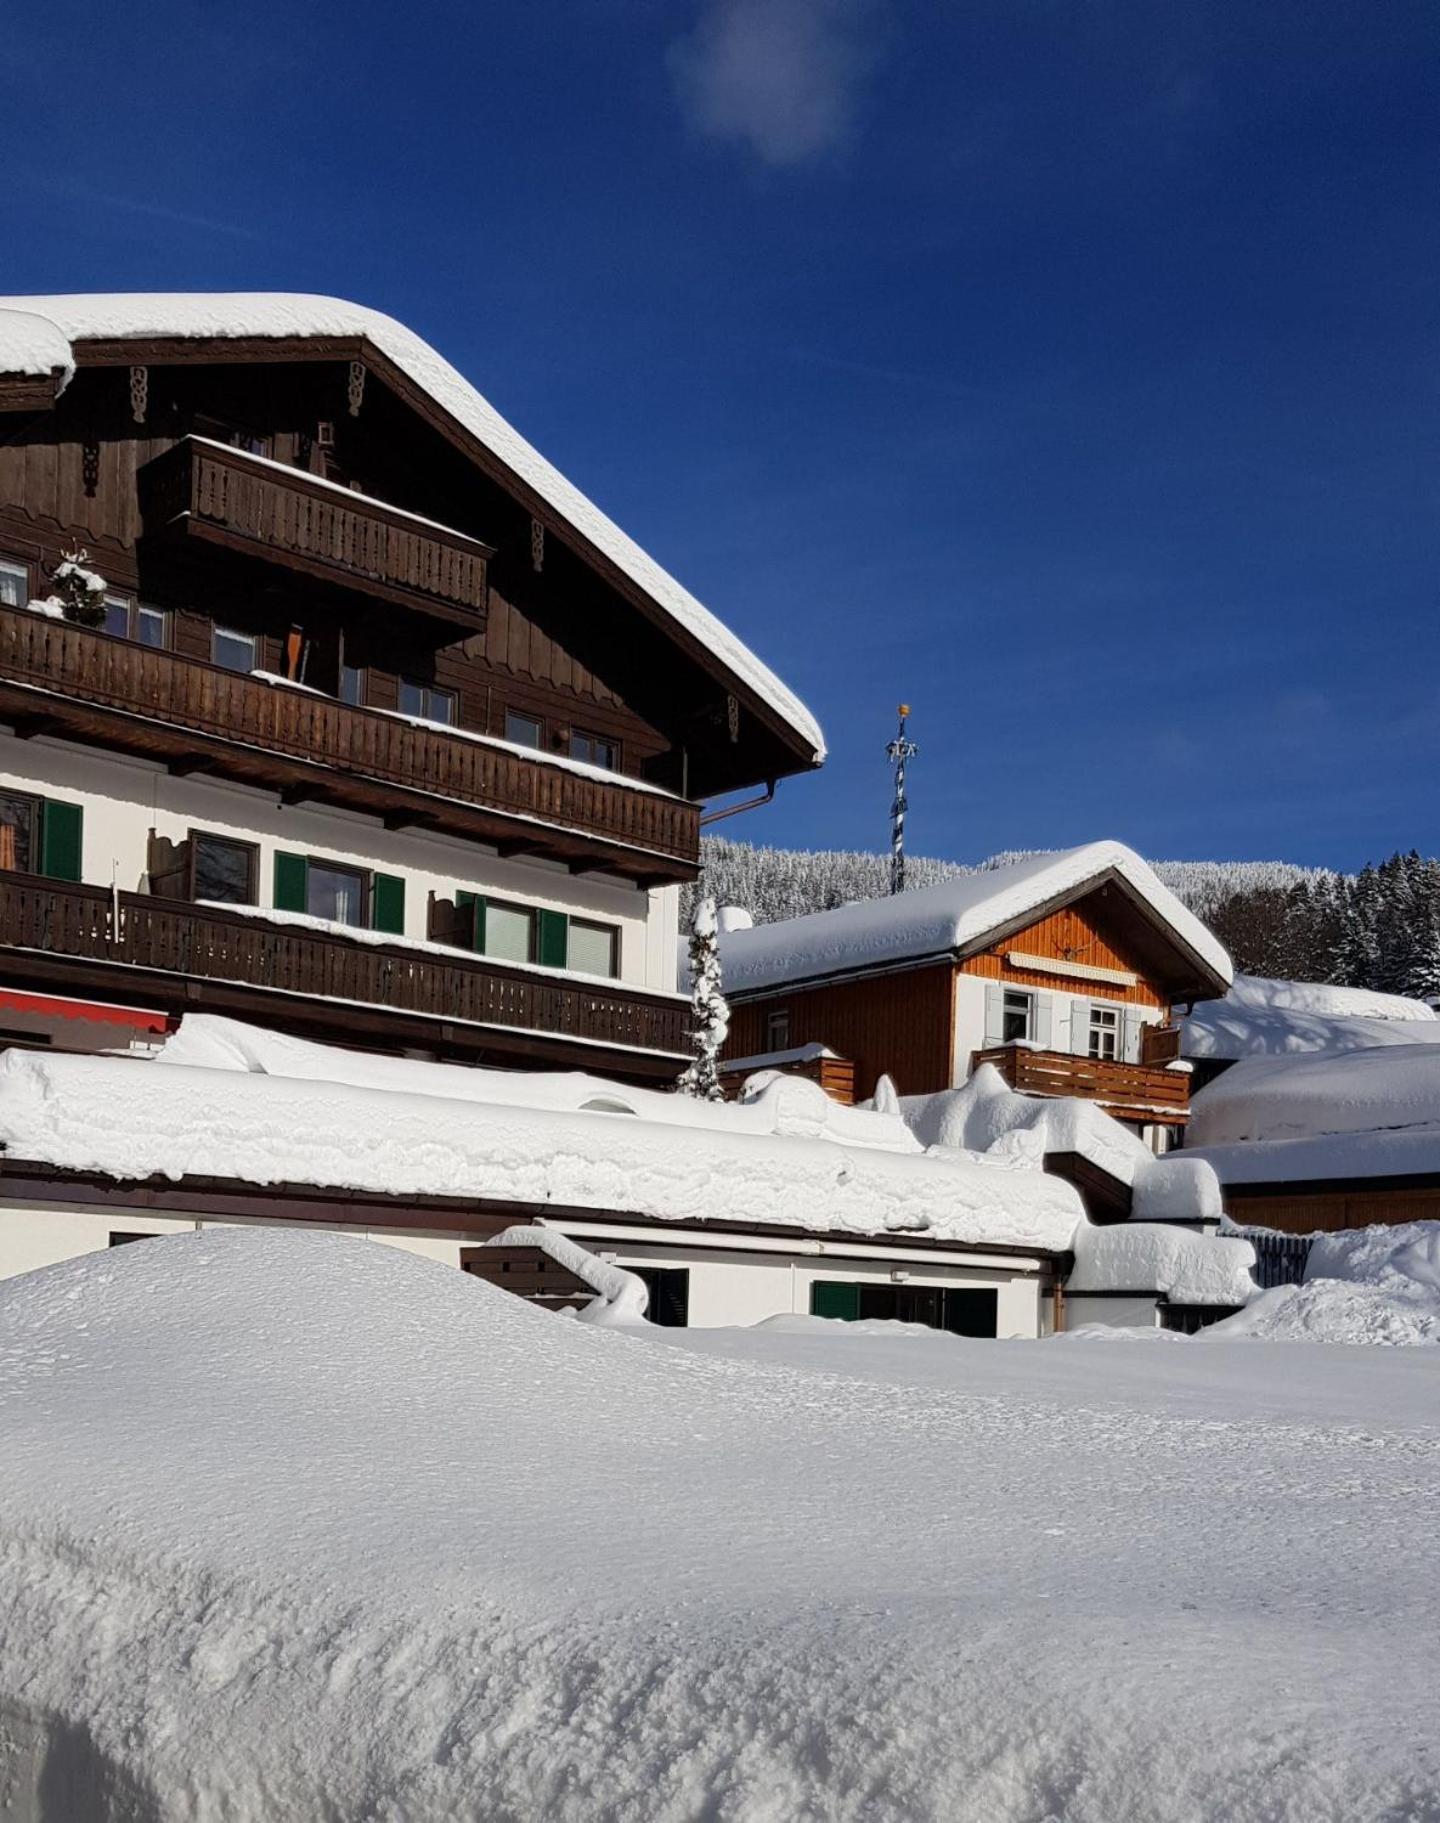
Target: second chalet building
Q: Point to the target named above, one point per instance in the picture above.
(387, 734)
(1062, 970)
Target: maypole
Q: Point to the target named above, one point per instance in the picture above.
(901, 749)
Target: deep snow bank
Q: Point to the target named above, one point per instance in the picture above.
(298, 1526)
(1367, 1285)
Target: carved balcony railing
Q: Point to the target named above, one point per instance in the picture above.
(1131, 1091)
(209, 490)
(133, 944)
(198, 717)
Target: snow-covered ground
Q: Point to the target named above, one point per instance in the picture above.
(1369, 1285)
(293, 1525)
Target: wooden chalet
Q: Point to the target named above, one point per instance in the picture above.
(1063, 971)
(386, 733)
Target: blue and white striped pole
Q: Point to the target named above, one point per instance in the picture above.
(898, 752)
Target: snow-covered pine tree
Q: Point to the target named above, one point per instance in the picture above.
(701, 1077)
(80, 591)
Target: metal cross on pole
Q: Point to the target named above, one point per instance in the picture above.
(901, 749)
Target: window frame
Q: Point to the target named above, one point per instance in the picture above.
(777, 1029)
(252, 850)
(359, 673)
(595, 740)
(1104, 1020)
(536, 721)
(612, 931)
(217, 633)
(17, 566)
(36, 834)
(366, 877)
(531, 913)
(134, 607)
(1008, 995)
(428, 694)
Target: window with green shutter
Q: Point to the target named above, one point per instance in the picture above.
(61, 840)
(387, 904)
(476, 907)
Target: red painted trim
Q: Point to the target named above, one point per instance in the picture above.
(53, 1006)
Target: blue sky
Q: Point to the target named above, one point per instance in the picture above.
(1069, 370)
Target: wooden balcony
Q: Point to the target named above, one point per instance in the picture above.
(181, 957)
(206, 490)
(63, 679)
(1143, 1092)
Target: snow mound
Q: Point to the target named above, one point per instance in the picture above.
(86, 316)
(955, 914)
(294, 1525)
(1377, 1285)
(986, 1118)
(1147, 1256)
(1383, 1089)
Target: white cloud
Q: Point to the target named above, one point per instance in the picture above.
(780, 75)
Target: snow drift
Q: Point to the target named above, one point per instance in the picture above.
(1368, 1285)
(299, 1526)
(1299, 1097)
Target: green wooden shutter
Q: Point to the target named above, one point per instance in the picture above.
(292, 880)
(554, 939)
(61, 840)
(387, 904)
(477, 920)
(829, 1298)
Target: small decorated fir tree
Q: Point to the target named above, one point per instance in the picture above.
(79, 591)
(711, 1015)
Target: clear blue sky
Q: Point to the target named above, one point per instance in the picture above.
(1069, 370)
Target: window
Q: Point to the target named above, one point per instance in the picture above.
(223, 870)
(14, 584)
(524, 730)
(136, 620)
(19, 829)
(509, 932)
(352, 685)
(427, 702)
(226, 430)
(594, 949)
(669, 1289)
(964, 1311)
(593, 749)
(122, 1237)
(777, 1029)
(235, 651)
(41, 835)
(344, 895)
(1105, 1032)
(1017, 1016)
(337, 893)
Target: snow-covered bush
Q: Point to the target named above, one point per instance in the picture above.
(78, 591)
(701, 1077)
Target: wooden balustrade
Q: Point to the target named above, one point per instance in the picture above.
(1134, 1090)
(289, 516)
(46, 920)
(535, 804)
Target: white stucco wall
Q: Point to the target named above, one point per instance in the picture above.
(728, 1286)
(1138, 1312)
(124, 799)
(1059, 1004)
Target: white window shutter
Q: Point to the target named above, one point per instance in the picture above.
(994, 1013)
(1040, 1025)
(1079, 1026)
(1134, 1026)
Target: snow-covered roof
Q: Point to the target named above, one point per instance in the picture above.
(1272, 1098)
(955, 915)
(85, 316)
(1264, 1018)
(233, 1102)
(32, 344)
(1153, 1257)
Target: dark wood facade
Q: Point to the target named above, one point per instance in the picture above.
(557, 631)
(137, 948)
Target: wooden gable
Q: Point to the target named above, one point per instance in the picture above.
(1080, 949)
